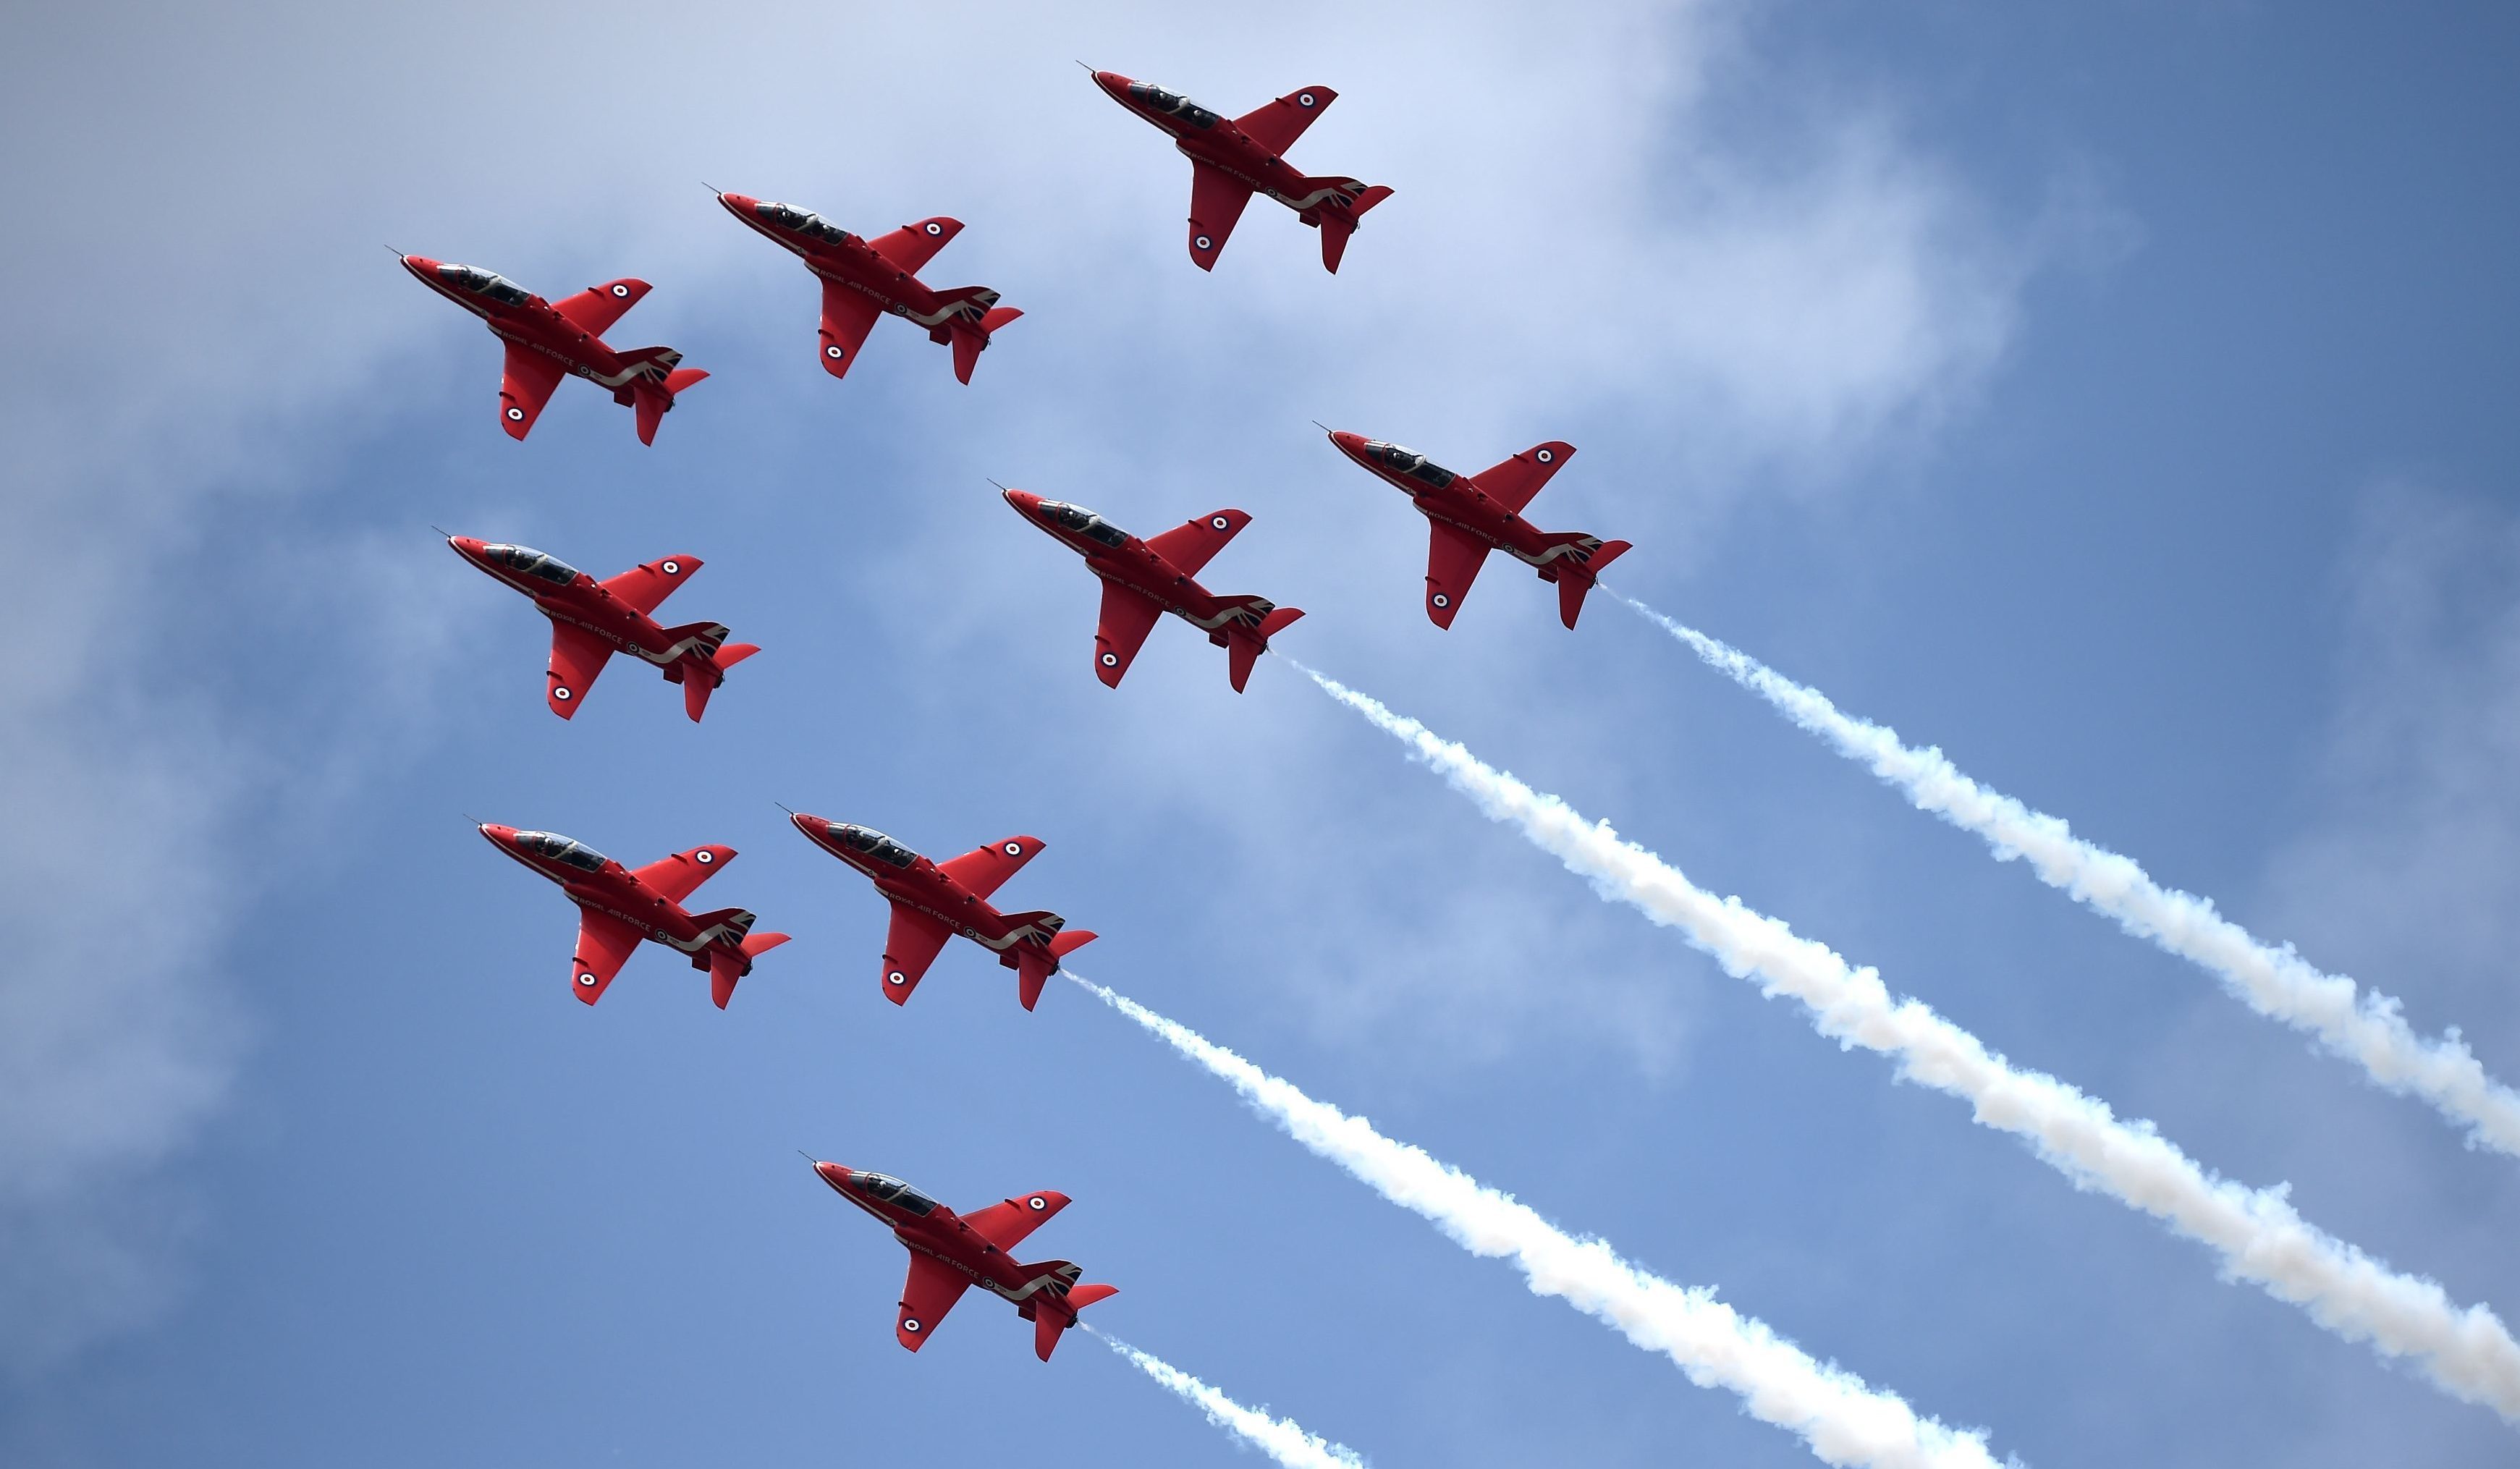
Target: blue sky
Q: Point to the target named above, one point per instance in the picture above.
(2113, 398)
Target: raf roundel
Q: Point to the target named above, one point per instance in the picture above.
(1442, 600)
(1036, 1203)
(1015, 849)
(1218, 522)
(910, 1323)
(834, 353)
(1304, 98)
(670, 569)
(933, 228)
(1203, 243)
(587, 980)
(1110, 660)
(896, 977)
(704, 857)
(563, 694)
(620, 291)
(1547, 455)
(516, 415)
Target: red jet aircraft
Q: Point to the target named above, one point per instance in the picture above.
(949, 1252)
(548, 340)
(1141, 580)
(1229, 161)
(620, 906)
(1472, 515)
(933, 901)
(863, 279)
(592, 620)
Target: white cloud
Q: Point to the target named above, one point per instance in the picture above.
(203, 323)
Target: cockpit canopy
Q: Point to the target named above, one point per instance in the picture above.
(560, 848)
(530, 562)
(1172, 104)
(1085, 522)
(803, 221)
(479, 282)
(1411, 463)
(874, 844)
(886, 1188)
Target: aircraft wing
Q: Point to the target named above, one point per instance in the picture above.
(525, 387)
(1276, 125)
(1004, 1225)
(678, 876)
(847, 316)
(913, 246)
(577, 656)
(1216, 201)
(1192, 546)
(646, 585)
(604, 943)
(1127, 618)
(983, 871)
(931, 1291)
(1513, 482)
(1453, 561)
(909, 945)
(595, 309)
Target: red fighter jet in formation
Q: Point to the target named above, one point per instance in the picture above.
(548, 340)
(1143, 580)
(949, 1252)
(863, 279)
(933, 901)
(1472, 515)
(591, 620)
(1232, 161)
(620, 906)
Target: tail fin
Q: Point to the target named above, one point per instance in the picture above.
(1034, 966)
(1244, 647)
(650, 398)
(1338, 225)
(1050, 1320)
(700, 677)
(970, 339)
(1574, 581)
(726, 968)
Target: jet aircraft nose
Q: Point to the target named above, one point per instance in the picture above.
(421, 266)
(498, 834)
(466, 547)
(1351, 444)
(1024, 501)
(1112, 82)
(833, 1174)
(738, 204)
(813, 827)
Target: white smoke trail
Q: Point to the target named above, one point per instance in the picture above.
(2272, 980)
(1843, 1420)
(1282, 1439)
(2464, 1351)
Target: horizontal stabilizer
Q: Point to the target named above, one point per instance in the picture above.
(683, 378)
(998, 316)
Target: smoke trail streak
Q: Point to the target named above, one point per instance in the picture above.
(2464, 1351)
(1843, 1420)
(1282, 1439)
(2272, 980)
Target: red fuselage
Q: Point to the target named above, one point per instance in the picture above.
(1454, 500)
(909, 880)
(848, 261)
(600, 885)
(516, 315)
(1210, 138)
(927, 1228)
(581, 602)
(1241, 625)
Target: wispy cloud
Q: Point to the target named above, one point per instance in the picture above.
(2465, 1350)
(1841, 1417)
